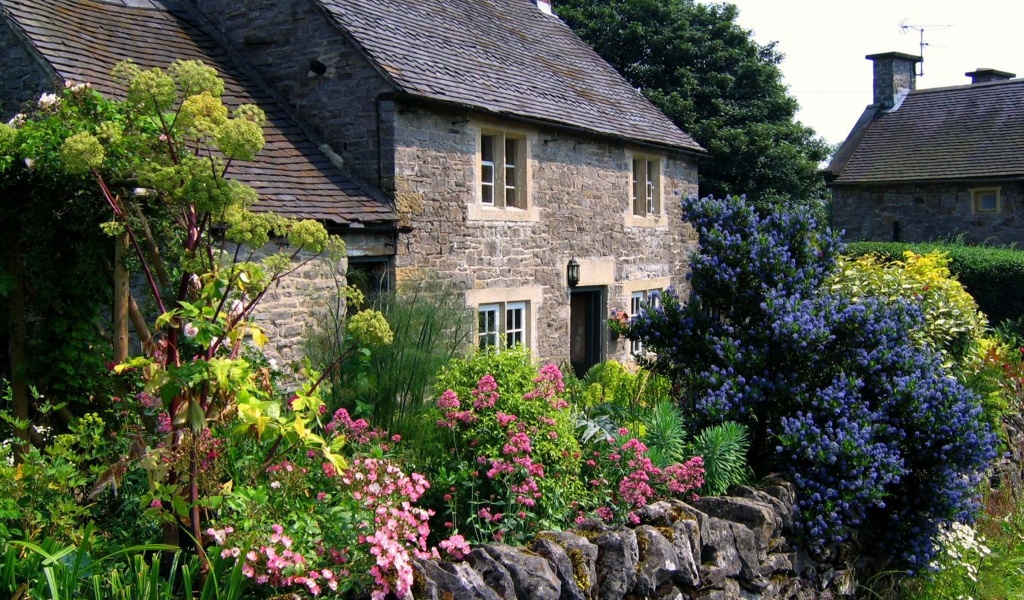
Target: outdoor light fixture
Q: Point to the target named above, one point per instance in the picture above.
(572, 273)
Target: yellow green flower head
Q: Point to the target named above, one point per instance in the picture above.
(308, 235)
(194, 78)
(7, 135)
(251, 112)
(336, 249)
(241, 194)
(370, 328)
(240, 139)
(125, 72)
(110, 132)
(245, 227)
(201, 114)
(152, 90)
(81, 153)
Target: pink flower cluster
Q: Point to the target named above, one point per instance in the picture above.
(398, 526)
(277, 565)
(456, 546)
(549, 385)
(358, 431)
(449, 403)
(635, 479)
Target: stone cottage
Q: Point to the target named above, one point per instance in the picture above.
(933, 164)
(477, 139)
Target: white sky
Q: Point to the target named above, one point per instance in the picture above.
(825, 41)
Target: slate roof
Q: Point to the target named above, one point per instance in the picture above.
(954, 133)
(502, 56)
(84, 39)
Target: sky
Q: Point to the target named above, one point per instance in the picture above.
(825, 42)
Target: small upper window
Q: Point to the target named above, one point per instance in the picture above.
(502, 176)
(645, 190)
(985, 200)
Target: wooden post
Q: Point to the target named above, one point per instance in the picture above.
(121, 298)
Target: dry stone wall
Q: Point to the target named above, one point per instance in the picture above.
(721, 548)
(926, 212)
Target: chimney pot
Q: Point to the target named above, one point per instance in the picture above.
(895, 75)
(986, 75)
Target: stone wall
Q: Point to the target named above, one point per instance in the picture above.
(24, 77)
(280, 39)
(927, 212)
(720, 548)
(578, 192)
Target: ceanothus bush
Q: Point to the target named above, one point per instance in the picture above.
(883, 445)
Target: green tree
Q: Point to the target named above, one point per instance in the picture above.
(703, 70)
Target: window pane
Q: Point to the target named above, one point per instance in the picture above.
(515, 324)
(487, 326)
(988, 202)
(487, 148)
(639, 177)
(635, 304)
(651, 204)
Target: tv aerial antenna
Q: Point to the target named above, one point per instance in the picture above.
(904, 26)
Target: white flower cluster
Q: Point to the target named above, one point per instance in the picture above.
(49, 101)
(17, 121)
(963, 549)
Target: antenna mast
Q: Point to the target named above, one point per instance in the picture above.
(920, 30)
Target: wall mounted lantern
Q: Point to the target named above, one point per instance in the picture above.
(572, 273)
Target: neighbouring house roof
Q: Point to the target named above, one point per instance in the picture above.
(970, 132)
(82, 40)
(505, 57)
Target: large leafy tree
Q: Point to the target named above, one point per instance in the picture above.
(703, 70)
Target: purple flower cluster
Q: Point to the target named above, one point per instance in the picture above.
(882, 443)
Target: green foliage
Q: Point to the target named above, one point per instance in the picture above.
(986, 272)
(724, 450)
(429, 325)
(665, 435)
(952, 323)
(504, 463)
(513, 369)
(703, 70)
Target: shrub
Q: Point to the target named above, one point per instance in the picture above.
(952, 323)
(883, 446)
(505, 462)
(723, 448)
(986, 272)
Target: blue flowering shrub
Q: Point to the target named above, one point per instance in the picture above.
(883, 445)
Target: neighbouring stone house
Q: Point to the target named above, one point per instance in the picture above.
(477, 139)
(933, 164)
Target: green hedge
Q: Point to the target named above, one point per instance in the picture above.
(994, 276)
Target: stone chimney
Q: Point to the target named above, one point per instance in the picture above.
(544, 6)
(895, 75)
(987, 75)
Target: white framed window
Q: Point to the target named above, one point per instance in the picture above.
(985, 200)
(503, 324)
(645, 186)
(637, 301)
(503, 160)
(487, 325)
